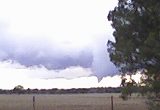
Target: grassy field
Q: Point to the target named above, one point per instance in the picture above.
(70, 102)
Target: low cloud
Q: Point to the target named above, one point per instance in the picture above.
(29, 52)
(61, 38)
(41, 72)
(41, 52)
(14, 74)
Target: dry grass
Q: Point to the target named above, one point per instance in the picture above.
(70, 102)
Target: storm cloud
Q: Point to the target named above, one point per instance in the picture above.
(57, 37)
(41, 52)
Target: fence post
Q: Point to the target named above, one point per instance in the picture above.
(111, 102)
(34, 101)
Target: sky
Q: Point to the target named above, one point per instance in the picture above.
(56, 44)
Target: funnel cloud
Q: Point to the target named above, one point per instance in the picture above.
(57, 36)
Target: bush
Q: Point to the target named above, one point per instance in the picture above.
(153, 104)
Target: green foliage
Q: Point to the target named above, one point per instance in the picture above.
(127, 90)
(18, 89)
(153, 103)
(137, 43)
(137, 36)
(125, 93)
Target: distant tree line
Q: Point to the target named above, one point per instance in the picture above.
(61, 91)
(21, 90)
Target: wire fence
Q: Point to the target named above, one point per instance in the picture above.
(71, 102)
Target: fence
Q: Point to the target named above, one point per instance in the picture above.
(70, 102)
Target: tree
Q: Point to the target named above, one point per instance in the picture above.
(137, 39)
(18, 89)
(127, 87)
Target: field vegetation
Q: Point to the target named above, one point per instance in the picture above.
(92, 101)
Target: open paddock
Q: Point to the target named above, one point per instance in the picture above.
(70, 102)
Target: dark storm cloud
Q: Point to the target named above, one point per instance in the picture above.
(41, 52)
(28, 55)
(101, 65)
(53, 61)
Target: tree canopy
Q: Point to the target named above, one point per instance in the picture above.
(137, 37)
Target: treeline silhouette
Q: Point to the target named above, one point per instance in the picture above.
(62, 91)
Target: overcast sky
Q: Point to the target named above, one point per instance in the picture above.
(55, 43)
